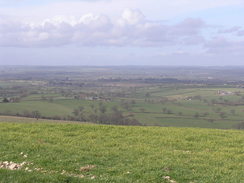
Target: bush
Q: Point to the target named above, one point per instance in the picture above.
(5, 100)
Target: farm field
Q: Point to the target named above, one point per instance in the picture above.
(183, 107)
(73, 152)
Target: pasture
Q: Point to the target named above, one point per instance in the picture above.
(71, 152)
(162, 106)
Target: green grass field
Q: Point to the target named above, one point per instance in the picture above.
(148, 113)
(118, 154)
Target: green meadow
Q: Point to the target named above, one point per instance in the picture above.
(182, 106)
(65, 152)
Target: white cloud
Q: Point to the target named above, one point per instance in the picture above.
(131, 17)
(131, 28)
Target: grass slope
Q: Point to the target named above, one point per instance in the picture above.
(120, 154)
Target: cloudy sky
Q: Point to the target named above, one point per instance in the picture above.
(122, 32)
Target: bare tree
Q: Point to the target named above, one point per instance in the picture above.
(36, 114)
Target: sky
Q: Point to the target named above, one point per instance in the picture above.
(122, 32)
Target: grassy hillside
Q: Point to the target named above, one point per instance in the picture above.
(70, 153)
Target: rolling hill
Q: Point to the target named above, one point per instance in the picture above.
(49, 151)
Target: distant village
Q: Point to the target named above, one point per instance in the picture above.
(224, 93)
(90, 97)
